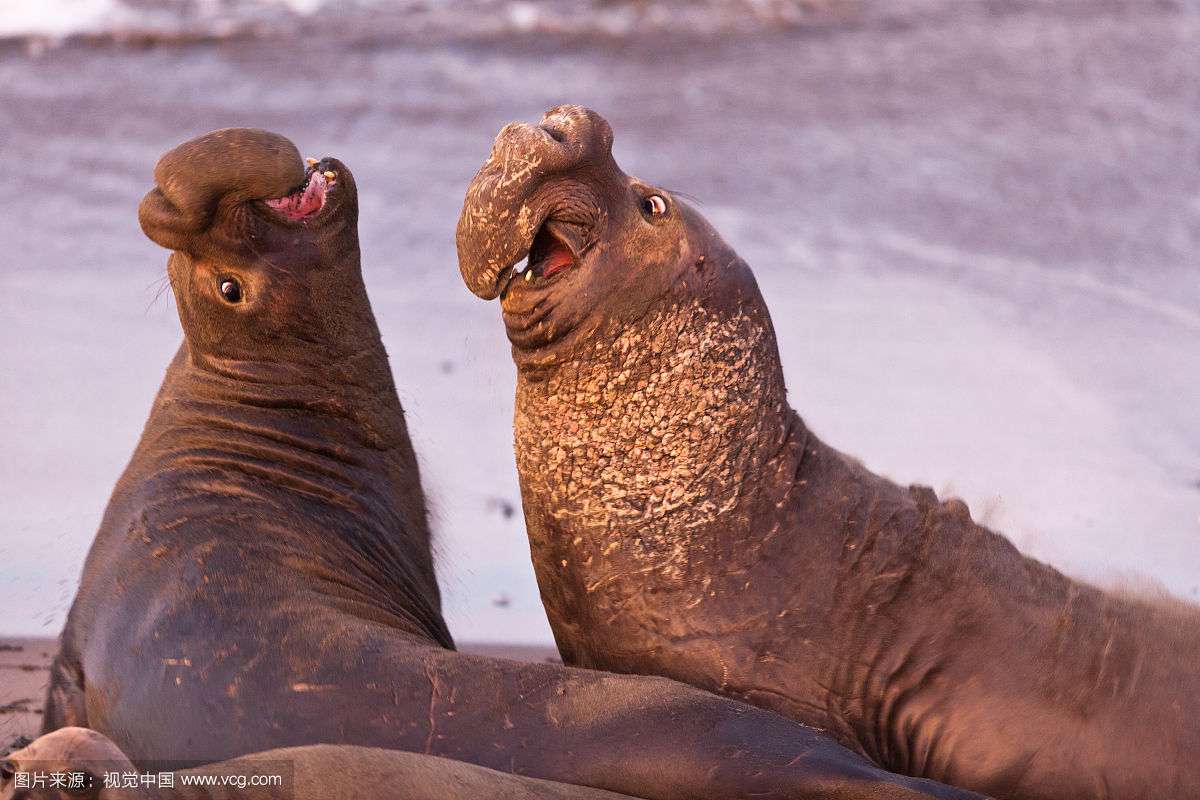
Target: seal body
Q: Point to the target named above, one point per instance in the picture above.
(326, 771)
(262, 577)
(685, 522)
(270, 527)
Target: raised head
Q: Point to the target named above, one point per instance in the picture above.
(266, 260)
(649, 386)
(601, 246)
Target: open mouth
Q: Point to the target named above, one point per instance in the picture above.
(549, 253)
(309, 198)
(556, 248)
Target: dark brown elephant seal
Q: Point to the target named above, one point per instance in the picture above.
(262, 577)
(684, 521)
(82, 759)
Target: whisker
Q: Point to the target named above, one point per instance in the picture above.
(164, 283)
(691, 198)
(157, 281)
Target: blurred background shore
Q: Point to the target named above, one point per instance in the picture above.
(976, 225)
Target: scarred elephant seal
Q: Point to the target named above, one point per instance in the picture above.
(262, 576)
(78, 762)
(684, 521)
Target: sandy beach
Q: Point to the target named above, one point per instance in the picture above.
(24, 673)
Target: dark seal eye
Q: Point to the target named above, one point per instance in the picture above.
(654, 205)
(231, 290)
(7, 770)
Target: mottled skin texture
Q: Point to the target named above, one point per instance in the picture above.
(323, 771)
(262, 576)
(684, 522)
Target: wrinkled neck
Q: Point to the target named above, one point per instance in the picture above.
(301, 395)
(307, 368)
(653, 436)
(343, 445)
(294, 458)
(350, 393)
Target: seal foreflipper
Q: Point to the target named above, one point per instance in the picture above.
(65, 704)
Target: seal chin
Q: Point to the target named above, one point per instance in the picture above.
(309, 198)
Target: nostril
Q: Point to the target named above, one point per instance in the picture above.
(557, 134)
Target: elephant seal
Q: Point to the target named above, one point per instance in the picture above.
(82, 759)
(684, 522)
(262, 576)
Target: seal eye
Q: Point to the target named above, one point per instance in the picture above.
(7, 770)
(654, 205)
(231, 290)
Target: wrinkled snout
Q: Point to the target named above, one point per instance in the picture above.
(506, 202)
(566, 138)
(228, 165)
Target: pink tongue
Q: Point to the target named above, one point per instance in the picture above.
(301, 204)
(559, 259)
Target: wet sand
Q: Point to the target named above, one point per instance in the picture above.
(24, 672)
(25, 667)
(977, 233)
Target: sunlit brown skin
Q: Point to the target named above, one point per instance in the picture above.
(324, 771)
(262, 576)
(684, 522)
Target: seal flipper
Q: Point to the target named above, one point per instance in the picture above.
(65, 706)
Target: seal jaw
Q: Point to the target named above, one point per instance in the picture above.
(556, 247)
(205, 186)
(557, 243)
(491, 238)
(525, 182)
(306, 200)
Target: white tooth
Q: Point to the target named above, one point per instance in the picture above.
(529, 276)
